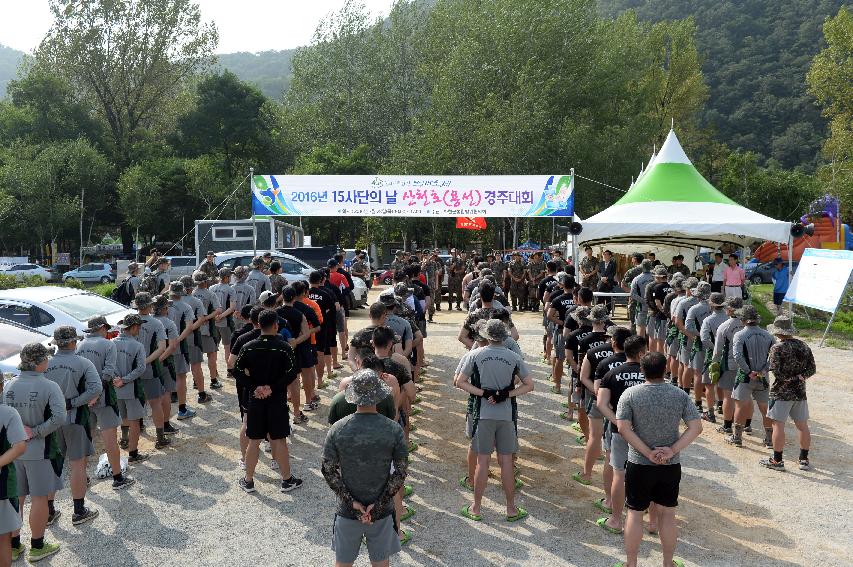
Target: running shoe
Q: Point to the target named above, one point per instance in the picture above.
(162, 443)
(215, 384)
(724, 430)
(732, 440)
(17, 552)
(772, 463)
(169, 429)
(137, 458)
(747, 429)
(311, 406)
(248, 486)
(186, 414)
(804, 464)
(125, 482)
(53, 516)
(204, 398)
(291, 483)
(300, 419)
(709, 417)
(87, 515)
(37, 554)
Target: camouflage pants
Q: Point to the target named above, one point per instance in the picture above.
(518, 295)
(454, 287)
(533, 296)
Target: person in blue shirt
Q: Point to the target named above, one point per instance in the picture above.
(780, 283)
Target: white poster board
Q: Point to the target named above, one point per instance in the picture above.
(821, 278)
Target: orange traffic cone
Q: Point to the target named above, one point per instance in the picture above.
(376, 279)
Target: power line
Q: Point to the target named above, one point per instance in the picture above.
(600, 183)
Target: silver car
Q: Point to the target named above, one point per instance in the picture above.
(48, 307)
(292, 267)
(13, 337)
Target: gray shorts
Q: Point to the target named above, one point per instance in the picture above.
(36, 478)
(559, 345)
(10, 520)
(105, 418)
(706, 377)
(225, 334)
(494, 434)
(381, 537)
(780, 410)
(618, 452)
(75, 443)
(684, 352)
(208, 344)
(698, 360)
(340, 321)
(422, 325)
(131, 409)
(153, 389)
(591, 408)
(753, 390)
(469, 426)
(607, 438)
(727, 380)
(196, 355)
(642, 318)
(673, 348)
(169, 383)
(181, 364)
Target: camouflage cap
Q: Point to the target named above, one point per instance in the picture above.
(366, 388)
(734, 302)
(132, 267)
(660, 272)
(142, 300)
(495, 331)
(129, 320)
(581, 315)
(240, 272)
(691, 282)
(148, 284)
(200, 277)
(677, 284)
(402, 290)
(717, 299)
(613, 329)
(176, 288)
(598, 313)
(676, 277)
(388, 298)
(161, 301)
(482, 266)
(647, 265)
(702, 291)
(782, 326)
(748, 314)
(224, 272)
(257, 261)
(188, 281)
(65, 335)
(480, 329)
(32, 355)
(97, 323)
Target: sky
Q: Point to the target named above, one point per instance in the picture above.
(241, 23)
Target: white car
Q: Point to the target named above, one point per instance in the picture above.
(22, 271)
(292, 267)
(13, 337)
(46, 308)
(359, 292)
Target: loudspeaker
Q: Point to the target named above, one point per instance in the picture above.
(575, 228)
(798, 229)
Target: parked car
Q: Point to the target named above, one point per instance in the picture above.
(96, 273)
(292, 267)
(763, 273)
(13, 337)
(359, 292)
(314, 256)
(45, 308)
(22, 271)
(181, 266)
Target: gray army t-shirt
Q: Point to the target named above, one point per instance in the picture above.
(496, 366)
(656, 411)
(364, 445)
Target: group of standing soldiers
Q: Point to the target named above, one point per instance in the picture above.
(520, 276)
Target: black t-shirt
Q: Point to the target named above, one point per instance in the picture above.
(573, 342)
(326, 300)
(562, 304)
(334, 290)
(238, 333)
(237, 346)
(294, 318)
(421, 289)
(270, 361)
(659, 293)
(309, 313)
(592, 340)
(400, 372)
(595, 355)
(544, 286)
(609, 363)
(620, 379)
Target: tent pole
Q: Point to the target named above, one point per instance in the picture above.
(254, 226)
(790, 276)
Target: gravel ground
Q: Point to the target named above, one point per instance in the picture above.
(186, 506)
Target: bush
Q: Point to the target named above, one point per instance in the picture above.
(13, 282)
(71, 282)
(104, 289)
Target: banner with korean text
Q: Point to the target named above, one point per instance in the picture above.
(413, 195)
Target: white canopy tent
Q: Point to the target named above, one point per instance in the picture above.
(672, 206)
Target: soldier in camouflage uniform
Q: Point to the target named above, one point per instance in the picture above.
(589, 269)
(455, 271)
(360, 269)
(398, 263)
(518, 285)
(557, 258)
(209, 266)
(628, 279)
(430, 269)
(535, 273)
(499, 269)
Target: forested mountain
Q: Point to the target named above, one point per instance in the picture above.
(268, 70)
(9, 61)
(756, 56)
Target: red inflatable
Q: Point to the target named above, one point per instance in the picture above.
(825, 236)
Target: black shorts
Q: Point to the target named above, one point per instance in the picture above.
(267, 418)
(645, 484)
(241, 400)
(305, 355)
(331, 339)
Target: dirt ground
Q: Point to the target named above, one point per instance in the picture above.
(186, 506)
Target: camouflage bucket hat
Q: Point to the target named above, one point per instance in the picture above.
(402, 290)
(200, 277)
(188, 281)
(177, 289)
(717, 300)
(581, 315)
(148, 283)
(782, 326)
(65, 335)
(735, 302)
(702, 291)
(96, 323)
(366, 389)
(480, 329)
(129, 321)
(613, 329)
(647, 265)
(132, 267)
(748, 314)
(691, 282)
(161, 301)
(240, 272)
(224, 272)
(495, 330)
(660, 272)
(32, 355)
(257, 261)
(598, 314)
(141, 300)
(388, 298)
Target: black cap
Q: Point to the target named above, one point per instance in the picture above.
(332, 263)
